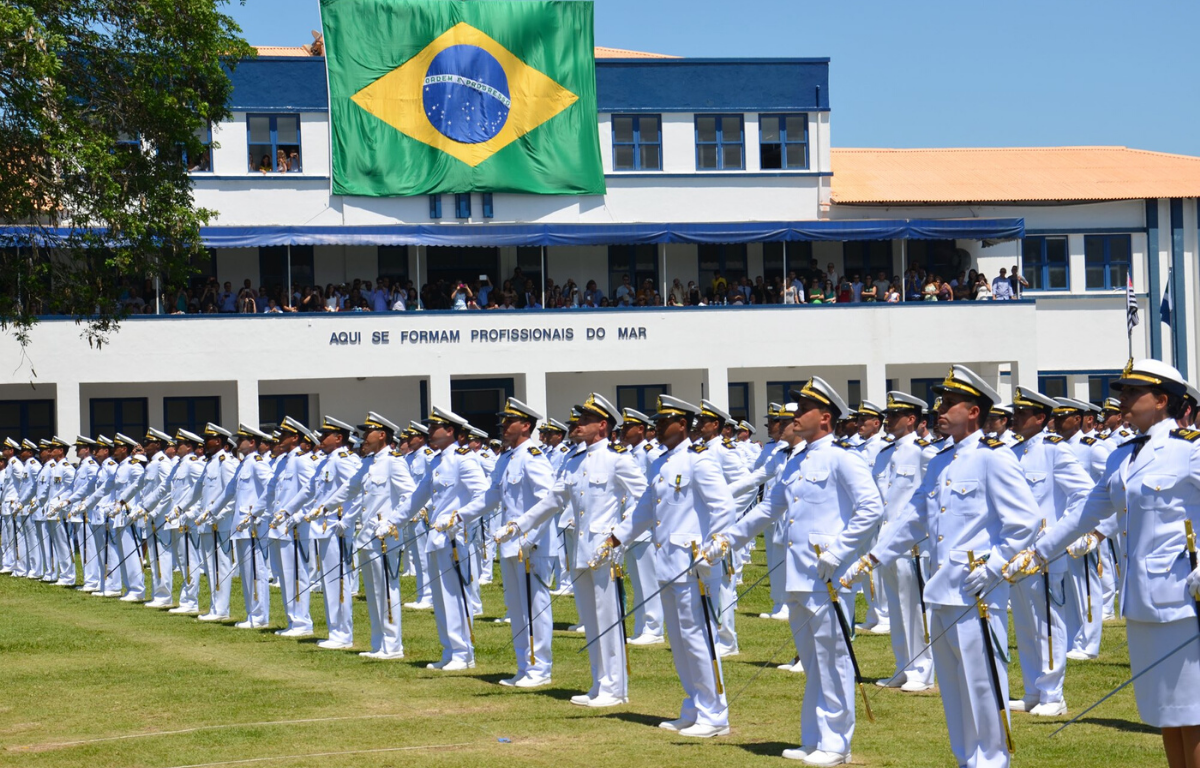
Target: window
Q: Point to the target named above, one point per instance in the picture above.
(452, 263)
(271, 135)
(1107, 258)
(479, 400)
(719, 143)
(127, 415)
(779, 258)
(190, 413)
(777, 391)
(1045, 263)
(783, 141)
(854, 393)
(273, 408)
(273, 265)
(640, 262)
(489, 207)
(202, 162)
(1052, 386)
(33, 419)
(529, 260)
(393, 263)
(641, 397)
(891, 385)
(728, 259)
(867, 258)
(435, 206)
(637, 142)
(938, 257)
(1098, 387)
(739, 401)
(923, 388)
(462, 206)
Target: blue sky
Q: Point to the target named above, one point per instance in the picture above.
(925, 73)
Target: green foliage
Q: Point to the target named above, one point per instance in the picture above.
(101, 683)
(99, 101)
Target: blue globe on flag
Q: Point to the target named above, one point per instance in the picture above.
(465, 94)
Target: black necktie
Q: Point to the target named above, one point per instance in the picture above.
(1138, 443)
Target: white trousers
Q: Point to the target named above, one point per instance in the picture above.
(648, 617)
(287, 562)
(62, 561)
(339, 599)
(1084, 633)
(877, 607)
(416, 554)
(383, 596)
(44, 550)
(964, 678)
(725, 605)
(162, 565)
(698, 672)
(827, 712)
(903, 594)
(599, 607)
(7, 536)
(1108, 579)
(125, 568)
(519, 592)
(1041, 674)
(776, 566)
(187, 555)
(451, 608)
(254, 571)
(31, 552)
(94, 554)
(217, 564)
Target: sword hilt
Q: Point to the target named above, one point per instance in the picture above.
(828, 584)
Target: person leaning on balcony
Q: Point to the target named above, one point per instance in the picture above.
(983, 291)
(1001, 287)
(930, 289)
(869, 293)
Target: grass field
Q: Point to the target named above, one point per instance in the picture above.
(97, 682)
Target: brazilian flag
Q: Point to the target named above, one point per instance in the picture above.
(429, 96)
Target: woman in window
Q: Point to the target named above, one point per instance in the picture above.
(945, 292)
(264, 165)
(461, 295)
(281, 161)
(869, 293)
(893, 293)
(983, 290)
(816, 294)
(693, 294)
(930, 289)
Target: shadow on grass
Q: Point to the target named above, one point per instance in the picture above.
(638, 718)
(1129, 726)
(764, 748)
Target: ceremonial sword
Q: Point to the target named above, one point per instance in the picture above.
(858, 678)
(528, 600)
(708, 630)
(462, 590)
(985, 627)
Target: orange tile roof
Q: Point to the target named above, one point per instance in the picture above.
(1010, 175)
(601, 53)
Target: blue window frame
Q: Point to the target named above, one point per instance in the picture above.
(33, 419)
(777, 391)
(1099, 386)
(462, 205)
(783, 142)
(435, 206)
(489, 207)
(273, 408)
(720, 143)
(190, 413)
(269, 135)
(638, 262)
(127, 415)
(1052, 386)
(1107, 260)
(642, 397)
(923, 388)
(1045, 263)
(479, 400)
(202, 162)
(739, 401)
(854, 393)
(637, 142)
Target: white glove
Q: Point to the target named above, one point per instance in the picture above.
(445, 524)
(509, 531)
(603, 554)
(827, 565)
(337, 527)
(1025, 563)
(982, 577)
(383, 529)
(860, 571)
(716, 549)
(527, 548)
(1193, 584)
(1083, 545)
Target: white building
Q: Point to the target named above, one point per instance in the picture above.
(711, 165)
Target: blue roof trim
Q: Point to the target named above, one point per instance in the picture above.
(586, 234)
(297, 84)
(279, 84)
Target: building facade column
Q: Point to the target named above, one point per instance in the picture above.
(439, 391)
(68, 410)
(247, 403)
(535, 392)
(874, 387)
(718, 387)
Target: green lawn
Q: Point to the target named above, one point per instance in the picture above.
(134, 687)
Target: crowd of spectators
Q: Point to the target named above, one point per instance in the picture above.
(811, 286)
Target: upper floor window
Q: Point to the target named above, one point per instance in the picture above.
(637, 142)
(1107, 259)
(1045, 263)
(720, 143)
(201, 162)
(783, 141)
(274, 143)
